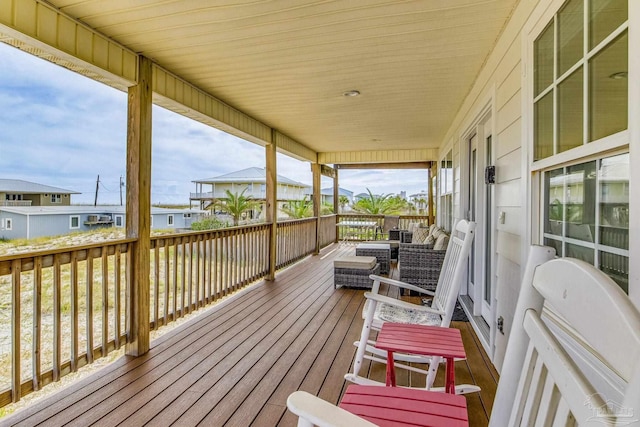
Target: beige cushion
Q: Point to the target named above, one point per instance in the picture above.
(359, 262)
(437, 232)
(373, 246)
(441, 243)
(419, 236)
(430, 240)
(431, 228)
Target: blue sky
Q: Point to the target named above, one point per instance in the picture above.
(62, 129)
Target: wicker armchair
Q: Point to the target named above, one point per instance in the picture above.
(420, 264)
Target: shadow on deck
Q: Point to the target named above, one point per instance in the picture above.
(236, 363)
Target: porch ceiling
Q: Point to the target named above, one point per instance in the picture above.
(287, 63)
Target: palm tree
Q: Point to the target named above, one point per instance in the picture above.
(343, 201)
(236, 204)
(299, 208)
(379, 204)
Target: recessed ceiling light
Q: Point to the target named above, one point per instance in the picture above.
(351, 93)
(619, 75)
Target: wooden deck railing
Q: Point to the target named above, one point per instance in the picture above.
(296, 239)
(68, 306)
(361, 233)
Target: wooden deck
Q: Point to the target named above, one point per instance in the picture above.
(236, 364)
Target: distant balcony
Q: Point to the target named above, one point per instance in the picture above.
(15, 203)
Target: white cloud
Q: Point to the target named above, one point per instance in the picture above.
(62, 129)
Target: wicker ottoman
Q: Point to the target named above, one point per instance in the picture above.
(354, 271)
(382, 252)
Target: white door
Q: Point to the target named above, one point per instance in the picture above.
(480, 203)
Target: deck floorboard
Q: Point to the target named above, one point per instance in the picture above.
(235, 363)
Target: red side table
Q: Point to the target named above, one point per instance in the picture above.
(422, 340)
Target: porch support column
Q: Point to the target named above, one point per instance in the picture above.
(315, 169)
(430, 171)
(138, 207)
(336, 200)
(271, 204)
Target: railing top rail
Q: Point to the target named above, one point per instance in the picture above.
(63, 250)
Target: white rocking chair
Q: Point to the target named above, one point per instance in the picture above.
(379, 309)
(573, 358)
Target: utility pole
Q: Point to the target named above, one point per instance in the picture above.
(95, 201)
(121, 185)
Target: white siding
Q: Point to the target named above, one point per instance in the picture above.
(498, 83)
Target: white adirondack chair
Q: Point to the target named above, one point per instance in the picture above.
(379, 309)
(575, 338)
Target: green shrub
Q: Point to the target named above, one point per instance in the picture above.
(208, 224)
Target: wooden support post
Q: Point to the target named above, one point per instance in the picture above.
(336, 200)
(271, 204)
(139, 207)
(317, 211)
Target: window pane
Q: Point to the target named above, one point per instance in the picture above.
(570, 35)
(543, 131)
(543, 60)
(554, 183)
(617, 267)
(608, 89)
(570, 114)
(604, 17)
(613, 177)
(580, 211)
(581, 253)
(556, 244)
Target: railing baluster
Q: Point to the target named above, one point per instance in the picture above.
(89, 307)
(197, 284)
(16, 338)
(156, 285)
(57, 326)
(166, 281)
(190, 263)
(36, 348)
(105, 300)
(74, 311)
(117, 265)
(175, 279)
(183, 276)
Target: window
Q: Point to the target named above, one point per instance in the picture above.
(580, 76)
(446, 191)
(169, 220)
(151, 223)
(56, 198)
(187, 215)
(74, 222)
(7, 224)
(119, 220)
(586, 214)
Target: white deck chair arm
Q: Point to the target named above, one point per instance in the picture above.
(314, 411)
(401, 284)
(402, 304)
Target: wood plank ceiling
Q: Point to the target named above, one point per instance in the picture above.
(287, 63)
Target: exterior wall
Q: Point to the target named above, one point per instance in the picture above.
(32, 226)
(18, 226)
(501, 90)
(498, 89)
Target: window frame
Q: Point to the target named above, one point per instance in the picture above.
(608, 146)
(611, 142)
(170, 220)
(118, 221)
(56, 198)
(71, 218)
